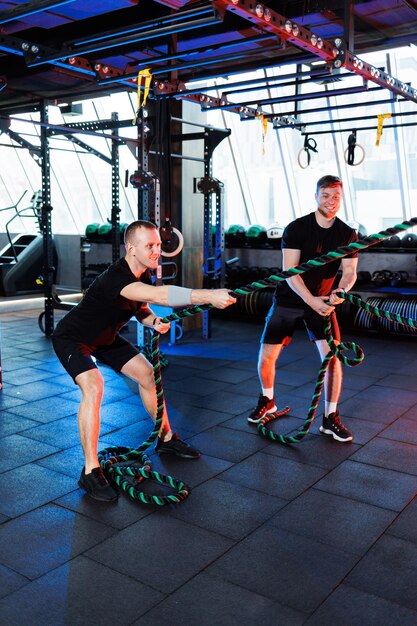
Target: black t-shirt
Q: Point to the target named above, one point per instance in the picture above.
(312, 240)
(102, 312)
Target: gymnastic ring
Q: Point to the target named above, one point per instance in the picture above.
(303, 167)
(178, 248)
(358, 145)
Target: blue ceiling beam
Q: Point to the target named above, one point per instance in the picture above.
(29, 8)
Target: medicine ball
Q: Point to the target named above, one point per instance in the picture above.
(91, 230)
(234, 236)
(256, 236)
(104, 232)
(274, 231)
(409, 241)
(392, 242)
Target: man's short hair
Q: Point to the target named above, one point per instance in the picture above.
(328, 181)
(135, 225)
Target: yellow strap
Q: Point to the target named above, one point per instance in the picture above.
(381, 119)
(147, 76)
(264, 121)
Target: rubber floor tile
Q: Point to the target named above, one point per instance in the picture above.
(25, 376)
(79, 593)
(295, 571)
(194, 420)
(10, 424)
(228, 444)
(68, 462)
(41, 540)
(150, 551)
(119, 515)
(193, 472)
(47, 409)
(36, 391)
(10, 581)
(227, 374)
(226, 402)
(279, 477)
(111, 394)
(389, 454)
(206, 601)
(347, 606)
(402, 429)
(30, 486)
(374, 485)
(389, 570)
(372, 410)
(399, 381)
(320, 450)
(16, 448)
(402, 398)
(230, 510)
(60, 433)
(405, 526)
(340, 522)
(196, 385)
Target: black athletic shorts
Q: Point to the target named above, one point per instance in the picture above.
(77, 357)
(281, 321)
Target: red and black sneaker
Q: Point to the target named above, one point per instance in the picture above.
(264, 407)
(334, 427)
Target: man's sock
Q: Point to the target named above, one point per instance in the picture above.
(329, 407)
(269, 393)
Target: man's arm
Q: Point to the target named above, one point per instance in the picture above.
(170, 295)
(148, 318)
(291, 258)
(347, 279)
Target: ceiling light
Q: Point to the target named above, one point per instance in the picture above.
(259, 10)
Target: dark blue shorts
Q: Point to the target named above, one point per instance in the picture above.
(77, 358)
(281, 322)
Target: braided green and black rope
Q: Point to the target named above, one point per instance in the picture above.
(324, 259)
(128, 478)
(336, 350)
(374, 310)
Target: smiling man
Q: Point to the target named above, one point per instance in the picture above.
(311, 297)
(91, 329)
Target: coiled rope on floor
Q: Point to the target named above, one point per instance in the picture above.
(113, 460)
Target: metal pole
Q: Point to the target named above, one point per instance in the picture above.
(115, 193)
(48, 269)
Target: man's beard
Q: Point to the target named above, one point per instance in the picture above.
(324, 214)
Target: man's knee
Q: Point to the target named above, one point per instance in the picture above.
(91, 384)
(269, 353)
(140, 370)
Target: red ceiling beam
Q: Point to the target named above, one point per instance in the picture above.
(333, 52)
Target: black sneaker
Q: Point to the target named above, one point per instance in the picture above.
(178, 447)
(334, 427)
(97, 486)
(264, 407)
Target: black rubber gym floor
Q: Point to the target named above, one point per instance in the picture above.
(317, 533)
